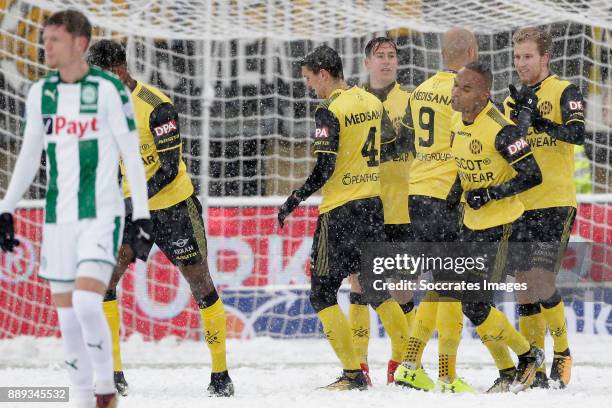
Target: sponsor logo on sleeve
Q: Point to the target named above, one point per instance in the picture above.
(321, 132)
(165, 129)
(575, 105)
(517, 147)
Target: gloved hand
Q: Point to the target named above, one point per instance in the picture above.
(292, 202)
(541, 124)
(140, 237)
(478, 198)
(526, 98)
(7, 233)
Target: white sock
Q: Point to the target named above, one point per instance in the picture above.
(76, 359)
(88, 309)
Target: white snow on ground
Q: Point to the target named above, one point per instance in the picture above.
(285, 373)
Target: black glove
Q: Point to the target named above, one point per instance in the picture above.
(541, 124)
(287, 208)
(140, 237)
(478, 198)
(7, 233)
(524, 100)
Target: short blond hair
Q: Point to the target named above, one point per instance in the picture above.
(542, 38)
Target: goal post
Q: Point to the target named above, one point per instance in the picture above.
(246, 120)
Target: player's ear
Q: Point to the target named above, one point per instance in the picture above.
(82, 43)
(473, 54)
(121, 72)
(546, 59)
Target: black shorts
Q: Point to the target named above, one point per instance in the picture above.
(548, 230)
(336, 247)
(503, 257)
(399, 232)
(179, 232)
(432, 220)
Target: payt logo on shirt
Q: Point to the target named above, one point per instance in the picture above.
(61, 124)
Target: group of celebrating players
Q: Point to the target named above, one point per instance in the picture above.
(442, 163)
(393, 165)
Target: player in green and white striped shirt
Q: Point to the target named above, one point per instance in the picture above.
(83, 118)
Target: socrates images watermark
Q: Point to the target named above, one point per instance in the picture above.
(410, 265)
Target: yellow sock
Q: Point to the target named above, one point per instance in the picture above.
(447, 365)
(395, 325)
(338, 332)
(449, 322)
(533, 327)
(213, 320)
(423, 328)
(498, 327)
(410, 317)
(359, 319)
(111, 311)
(425, 318)
(555, 319)
(500, 353)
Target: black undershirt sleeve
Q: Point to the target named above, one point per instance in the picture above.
(164, 125)
(327, 136)
(572, 115)
(406, 133)
(388, 140)
(515, 149)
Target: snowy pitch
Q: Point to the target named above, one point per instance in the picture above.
(285, 373)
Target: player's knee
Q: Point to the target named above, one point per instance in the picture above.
(100, 272)
(477, 312)
(199, 280)
(86, 303)
(551, 301)
(355, 284)
(125, 255)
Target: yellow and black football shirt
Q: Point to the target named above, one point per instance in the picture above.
(561, 102)
(394, 167)
(483, 153)
(432, 172)
(348, 125)
(160, 147)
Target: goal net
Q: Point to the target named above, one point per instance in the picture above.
(247, 119)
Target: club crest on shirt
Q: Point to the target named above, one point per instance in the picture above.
(545, 107)
(475, 147)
